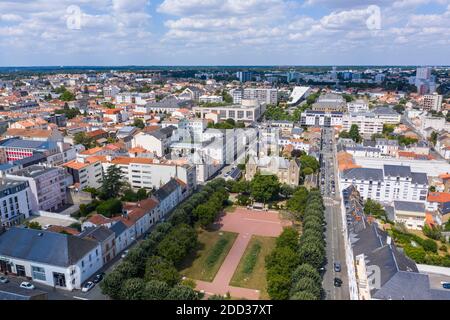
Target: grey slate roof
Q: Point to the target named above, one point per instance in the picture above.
(409, 206)
(384, 110)
(397, 171)
(166, 190)
(419, 178)
(363, 174)
(51, 248)
(99, 233)
(118, 228)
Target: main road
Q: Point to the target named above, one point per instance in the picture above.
(335, 248)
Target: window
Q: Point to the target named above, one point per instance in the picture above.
(38, 273)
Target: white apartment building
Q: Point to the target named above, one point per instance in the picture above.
(262, 95)
(321, 118)
(387, 147)
(15, 202)
(134, 98)
(358, 106)
(367, 122)
(151, 173)
(50, 258)
(86, 171)
(391, 183)
(432, 102)
(48, 186)
(157, 141)
(248, 111)
(411, 214)
(211, 99)
(387, 115)
(435, 123)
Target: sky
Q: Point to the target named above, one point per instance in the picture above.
(224, 32)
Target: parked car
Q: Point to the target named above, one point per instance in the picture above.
(27, 285)
(99, 277)
(124, 254)
(445, 285)
(337, 282)
(337, 267)
(87, 286)
(3, 279)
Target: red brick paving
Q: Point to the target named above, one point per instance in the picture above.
(246, 223)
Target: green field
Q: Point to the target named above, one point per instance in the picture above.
(251, 271)
(212, 250)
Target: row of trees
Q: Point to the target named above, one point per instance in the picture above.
(292, 267)
(149, 271)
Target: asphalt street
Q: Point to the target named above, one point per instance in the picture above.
(335, 249)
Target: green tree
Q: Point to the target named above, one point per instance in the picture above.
(181, 292)
(354, 133)
(139, 123)
(155, 290)
(309, 162)
(67, 96)
(132, 289)
(83, 139)
(112, 284)
(278, 286)
(288, 238)
(303, 295)
(158, 268)
(110, 207)
(312, 253)
(306, 271)
(33, 225)
(307, 285)
(264, 188)
(112, 183)
(433, 137)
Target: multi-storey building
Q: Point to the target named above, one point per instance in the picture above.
(15, 203)
(358, 106)
(48, 186)
(16, 149)
(248, 111)
(86, 172)
(50, 258)
(391, 183)
(151, 173)
(432, 102)
(367, 123)
(262, 95)
(321, 118)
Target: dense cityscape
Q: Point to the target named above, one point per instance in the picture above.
(253, 183)
(214, 158)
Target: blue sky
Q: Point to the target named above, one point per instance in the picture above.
(224, 32)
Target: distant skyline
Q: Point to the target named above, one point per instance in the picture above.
(224, 32)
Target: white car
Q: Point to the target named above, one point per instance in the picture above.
(3, 279)
(87, 286)
(27, 285)
(124, 254)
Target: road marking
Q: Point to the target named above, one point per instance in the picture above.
(80, 298)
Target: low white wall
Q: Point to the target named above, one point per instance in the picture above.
(424, 268)
(41, 213)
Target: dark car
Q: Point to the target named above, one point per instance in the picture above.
(337, 267)
(99, 277)
(337, 282)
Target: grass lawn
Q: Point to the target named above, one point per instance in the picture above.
(212, 249)
(256, 279)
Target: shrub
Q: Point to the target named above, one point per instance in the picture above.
(216, 252)
(251, 258)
